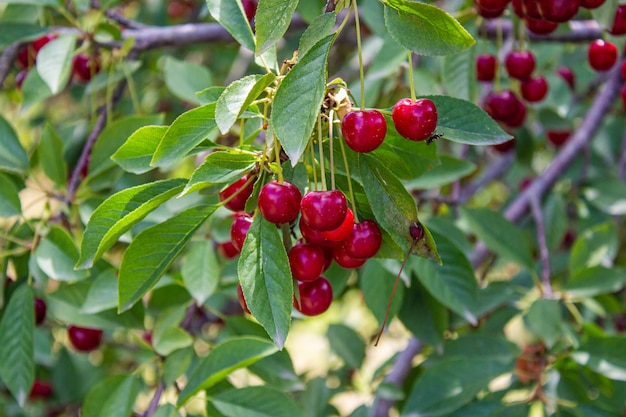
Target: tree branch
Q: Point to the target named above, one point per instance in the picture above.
(155, 400)
(544, 253)
(396, 376)
(580, 31)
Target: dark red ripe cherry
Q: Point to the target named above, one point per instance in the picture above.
(84, 339)
(518, 8)
(340, 233)
(42, 41)
(416, 230)
(534, 89)
(488, 13)
(249, 7)
(558, 10)
(540, 26)
(20, 77)
(242, 300)
(623, 70)
(602, 55)
(324, 210)
(84, 68)
(227, 249)
(415, 120)
(238, 202)
(504, 147)
(501, 105)
(40, 390)
(312, 235)
(558, 137)
(619, 23)
(239, 229)
(364, 241)
(279, 203)
(307, 261)
(40, 311)
(344, 260)
(531, 9)
(364, 130)
(567, 75)
(520, 64)
(486, 66)
(518, 118)
(315, 297)
(25, 57)
(591, 4)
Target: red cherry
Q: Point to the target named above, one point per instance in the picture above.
(84, 68)
(623, 95)
(520, 64)
(249, 7)
(315, 297)
(623, 70)
(324, 210)
(40, 390)
(415, 120)
(227, 249)
(502, 105)
(238, 202)
(602, 55)
(239, 229)
(416, 230)
(178, 10)
(567, 75)
(344, 260)
(558, 137)
(328, 256)
(534, 89)
(504, 147)
(518, 118)
(591, 4)
(531, 9)
(518, 8)
(558, 10)
(307, 261)
(25, 57)
(364, 130)
(242, 300)
(312, 235)
(488, 13)
(279, 203)
(540, 26)
(492, 4)
(42, 41)
(20, 77)
(364, 241)
(40, 311)
(486, 66)
(524, 183)
(619, 23)
(84, 339)
(340, 233)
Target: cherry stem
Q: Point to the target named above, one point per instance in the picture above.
(393, 291)
(411, 81)
(249, 181)
(319, 138)
(331, 121)
(279, 168)
(312, 152)
(345, 163)
(359, 52)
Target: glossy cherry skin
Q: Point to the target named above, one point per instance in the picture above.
(520, 64)
(239, 229)
(415, 120)
(504, 147)
(40, 311)
(42, 41)
(306, 261)
(567, 75)
(591, 4)
(364, 130)
(315, 297)
(227, 249)
(238, 202)
(84, 68)
(249, 7)
(340, 233)
(312, 235)
(558, 10)
(344, 260)
(486, 66)
(364, 241)
(324, 210)
(531, 9)
(602, 55)
(84, 339)
(40, 390)
(558, 137)
(416, 230)
(501, 105)
(534, 89)
(518, 118)
(488, 13)
(619, 23)
(242, 300)
(279, 203)
(540, 26)
(25, 57)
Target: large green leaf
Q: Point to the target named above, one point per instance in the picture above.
(57, 254)
(167, 334)
(15, 31)
(604, 355)
(51, 158)
(13, 157)
(201, 271)
(319, 28)
(228, 356)
(237, 97)
(376, 281)
(34, 90)
(347, 344)
(102, 293)
(298, 100)
(113, 396)
(153, 251)
(118, 213)
(54, 62)
(450, 170)
(425, 29)
(187, 131)
(17, 367)
(10, 204)
(543, 318)
(459, 74)
(230, 14)
(258, 401)
(423, 315)
(271, 22)
(594, 247)
(500, 235)
(184, 78)
(265, 278)
(608, 194)
(220, 168)
(595, 281)
(136, 153)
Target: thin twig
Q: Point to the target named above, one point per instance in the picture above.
(544, 253)
(154, 403)
(117, 17)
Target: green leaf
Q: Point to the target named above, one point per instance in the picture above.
(56, 255)
(271, 22)
(298, 100)
(34, 90)
(595, 281)
(319, 28)
(17, 367)
(394, 208)
(10, 204)
(604, 355)
(450, 170)
(347, 344)
(176, 364)
(237, 97)
(220, 168)
(102, 293)
(228, 356)
(184, 78)
(168, 335)
(459, 75)
(12, 32)
(54, 62)
(423, 315)
(376, 282)
(257, 401)
(152, 252)
(187, 131)
(277, 371)
(543, 318)
(231, 16)
(113, 396)
(266, 280)
(594, 247)
(201, 271)
(500, 235)
(51, 158)
(118, 213)
(136, 153)
(453, 283)
(13, 157)
(464, 122)
(607, 194)
(425, 29)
